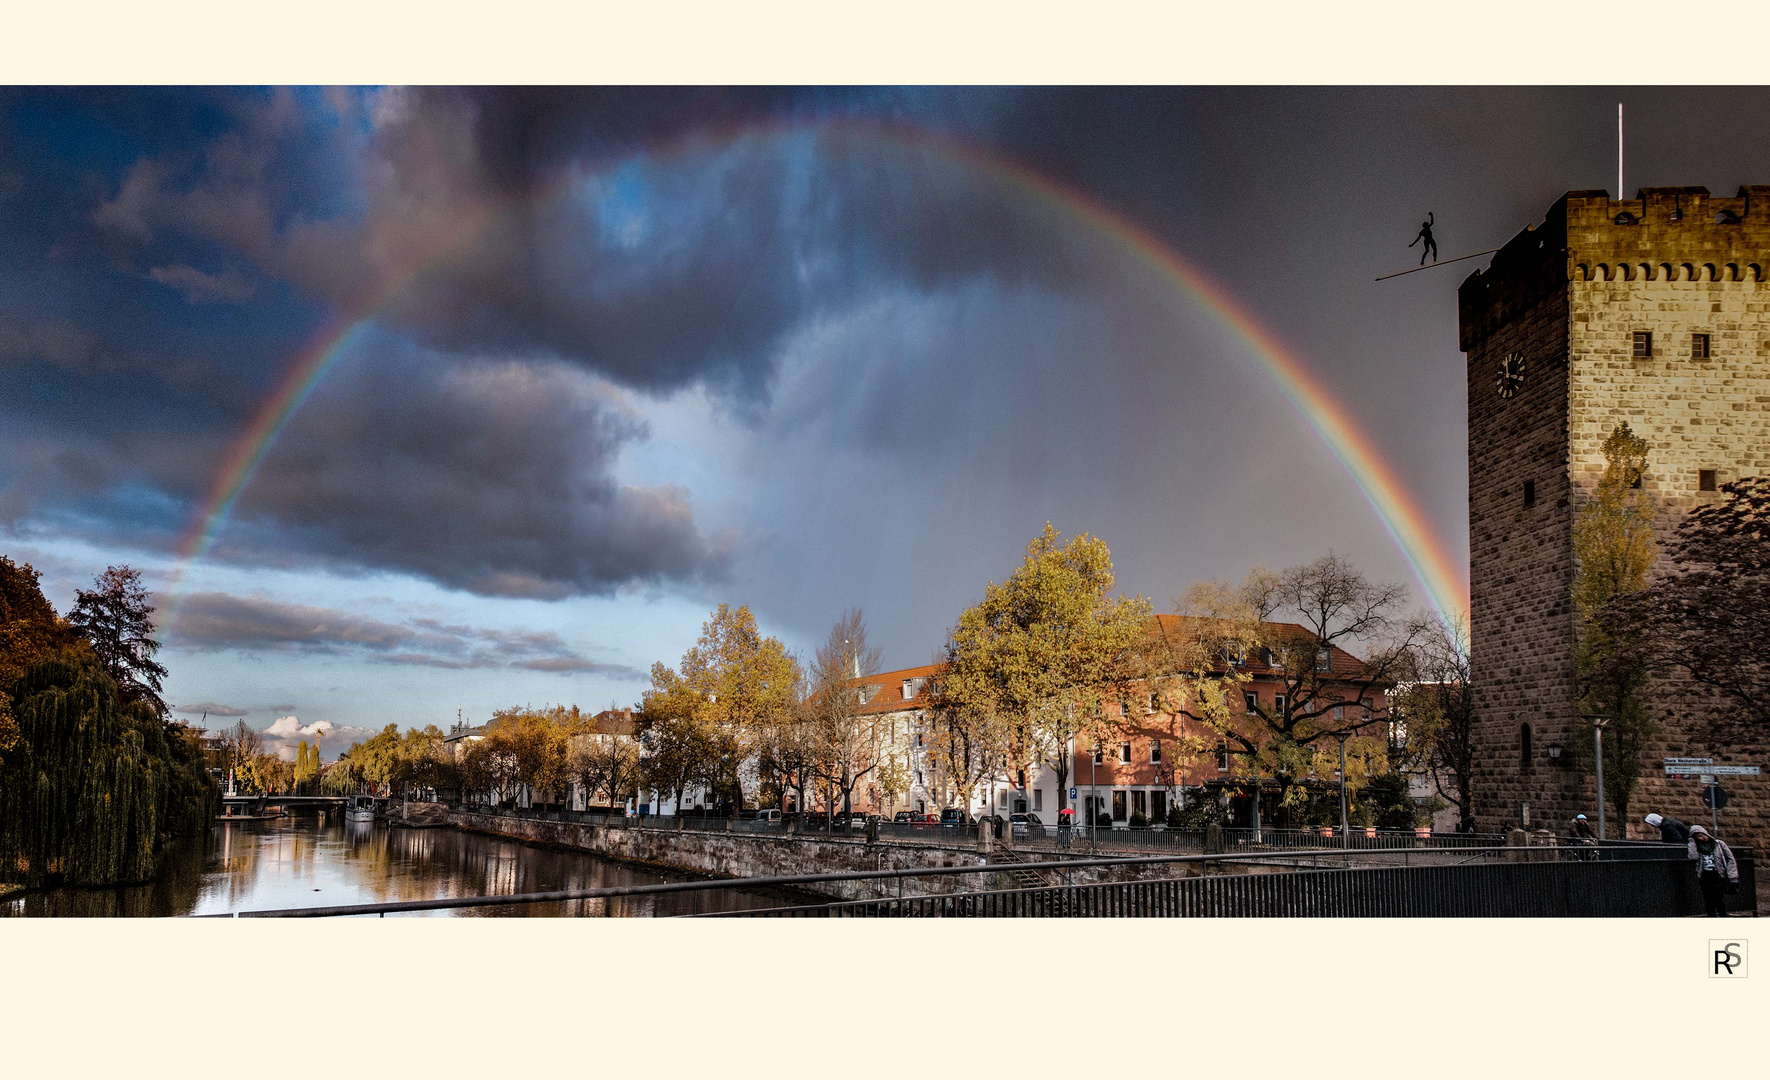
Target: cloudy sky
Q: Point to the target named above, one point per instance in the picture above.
(606, 358)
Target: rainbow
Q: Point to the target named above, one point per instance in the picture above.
(1434, 567)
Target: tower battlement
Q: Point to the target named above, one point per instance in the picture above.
(1662, 234)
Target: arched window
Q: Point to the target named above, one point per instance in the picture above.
(1524, 754)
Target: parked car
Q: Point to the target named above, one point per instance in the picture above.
(855, 820)
(1026, 824)
(772, 817)
(903, 817)
(953, 817)
(817, 822)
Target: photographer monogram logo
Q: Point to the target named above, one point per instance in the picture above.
(1727, 959)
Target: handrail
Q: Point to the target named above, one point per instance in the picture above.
(789, 880)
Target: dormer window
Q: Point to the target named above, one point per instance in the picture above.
(912, 687)
(1324, 659)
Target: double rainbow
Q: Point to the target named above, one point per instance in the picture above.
(1433, 565)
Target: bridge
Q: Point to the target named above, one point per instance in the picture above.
(256, 805)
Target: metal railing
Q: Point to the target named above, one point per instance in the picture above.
(1631, 887)
(1493, 895)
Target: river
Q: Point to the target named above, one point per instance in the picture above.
(308, 860)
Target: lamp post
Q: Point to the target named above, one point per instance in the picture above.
(1345, 823)
(1598, 721)
(1093, 800)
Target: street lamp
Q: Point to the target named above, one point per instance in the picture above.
(1345, 823)
(1598, 720)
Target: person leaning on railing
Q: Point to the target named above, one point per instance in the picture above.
(1717, 871)
(1671, 830)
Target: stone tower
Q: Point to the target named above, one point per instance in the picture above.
(1654, 310)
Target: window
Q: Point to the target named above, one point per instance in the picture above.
(1140, 803)
(1524, 746)
(1253, 702)
(918, 777)
(1118, 806)
(1020, 779)
(1278, 704)
(1151, 706)
(1124, 753)
(1004, 801)
(1155, 751)
(1699, 346)
(1643, 344)
(1158, 806)
(1038, 799)
(1705, 479)
(1530, 493)
(1222, 757)
(1324, 659)
(1099, 756)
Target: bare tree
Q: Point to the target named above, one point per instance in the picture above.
(1708, 621)
(847, 736)
(1325, 687)
(1435, 710)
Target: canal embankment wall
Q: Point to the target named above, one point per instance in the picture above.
(749, 855)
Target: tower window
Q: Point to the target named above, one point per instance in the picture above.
(1524, 746)
(1705, 479)
(1643, 343)
(1699, 346)
(1530, 493)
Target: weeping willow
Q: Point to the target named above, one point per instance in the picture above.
(96, 785)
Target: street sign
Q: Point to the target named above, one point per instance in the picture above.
(1690, 761)
(1072, 793)
(1682, 775)
(1731, 770)
(1715, 797)
(1707, 779)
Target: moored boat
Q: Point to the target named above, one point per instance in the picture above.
(360, 808)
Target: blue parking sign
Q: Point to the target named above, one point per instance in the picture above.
(1072, 793)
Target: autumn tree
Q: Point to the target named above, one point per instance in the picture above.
(1706, 623)
(116, 618)
(30, 633)
(1033, 665)
(1613, 547)
(1324, 687)
(605, 762)
(729, 689)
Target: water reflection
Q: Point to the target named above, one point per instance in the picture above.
(308, 861)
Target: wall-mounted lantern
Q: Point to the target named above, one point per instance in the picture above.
(1554, 753)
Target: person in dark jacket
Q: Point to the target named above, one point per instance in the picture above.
(1671, 830)
(1716, 869)
(1583, 828)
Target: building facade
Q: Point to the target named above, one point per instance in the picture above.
(1653, 310)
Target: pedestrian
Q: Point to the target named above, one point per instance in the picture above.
(1671, 830)
(1065, 822)
(1717, 872)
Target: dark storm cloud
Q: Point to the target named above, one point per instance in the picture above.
(661, 245)
(495, 478)
(212, 621)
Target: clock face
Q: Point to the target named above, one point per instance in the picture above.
(1511, 378)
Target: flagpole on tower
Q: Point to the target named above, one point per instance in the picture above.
(1619, 147)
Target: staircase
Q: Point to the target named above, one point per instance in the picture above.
(1025, 879)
